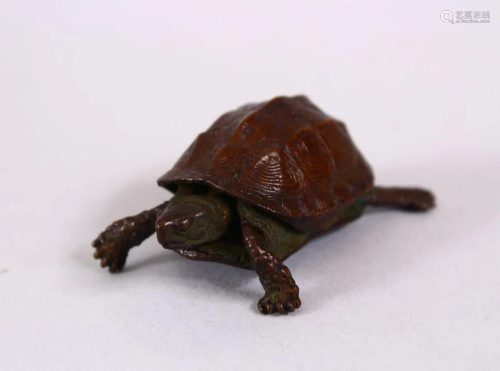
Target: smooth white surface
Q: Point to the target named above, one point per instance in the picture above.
(98, 99)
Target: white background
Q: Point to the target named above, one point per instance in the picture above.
(100, 98)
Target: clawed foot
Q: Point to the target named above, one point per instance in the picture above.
(112, 245)
(282, 294)
(111, 249)
(282, 302)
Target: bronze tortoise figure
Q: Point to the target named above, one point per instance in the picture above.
(253, 189)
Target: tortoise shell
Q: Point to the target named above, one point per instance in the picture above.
(284, 155)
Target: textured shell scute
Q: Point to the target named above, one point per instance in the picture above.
(284, 155)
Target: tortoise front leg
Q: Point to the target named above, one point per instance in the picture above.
(112, 245)
(282, 294)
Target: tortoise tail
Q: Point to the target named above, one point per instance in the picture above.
(413, 199)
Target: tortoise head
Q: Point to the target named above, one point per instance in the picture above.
(192, 220)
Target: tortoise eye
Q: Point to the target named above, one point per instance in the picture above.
(184, 225)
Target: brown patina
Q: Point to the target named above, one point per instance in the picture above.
(254, 188)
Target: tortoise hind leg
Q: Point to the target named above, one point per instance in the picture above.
(414, 199)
